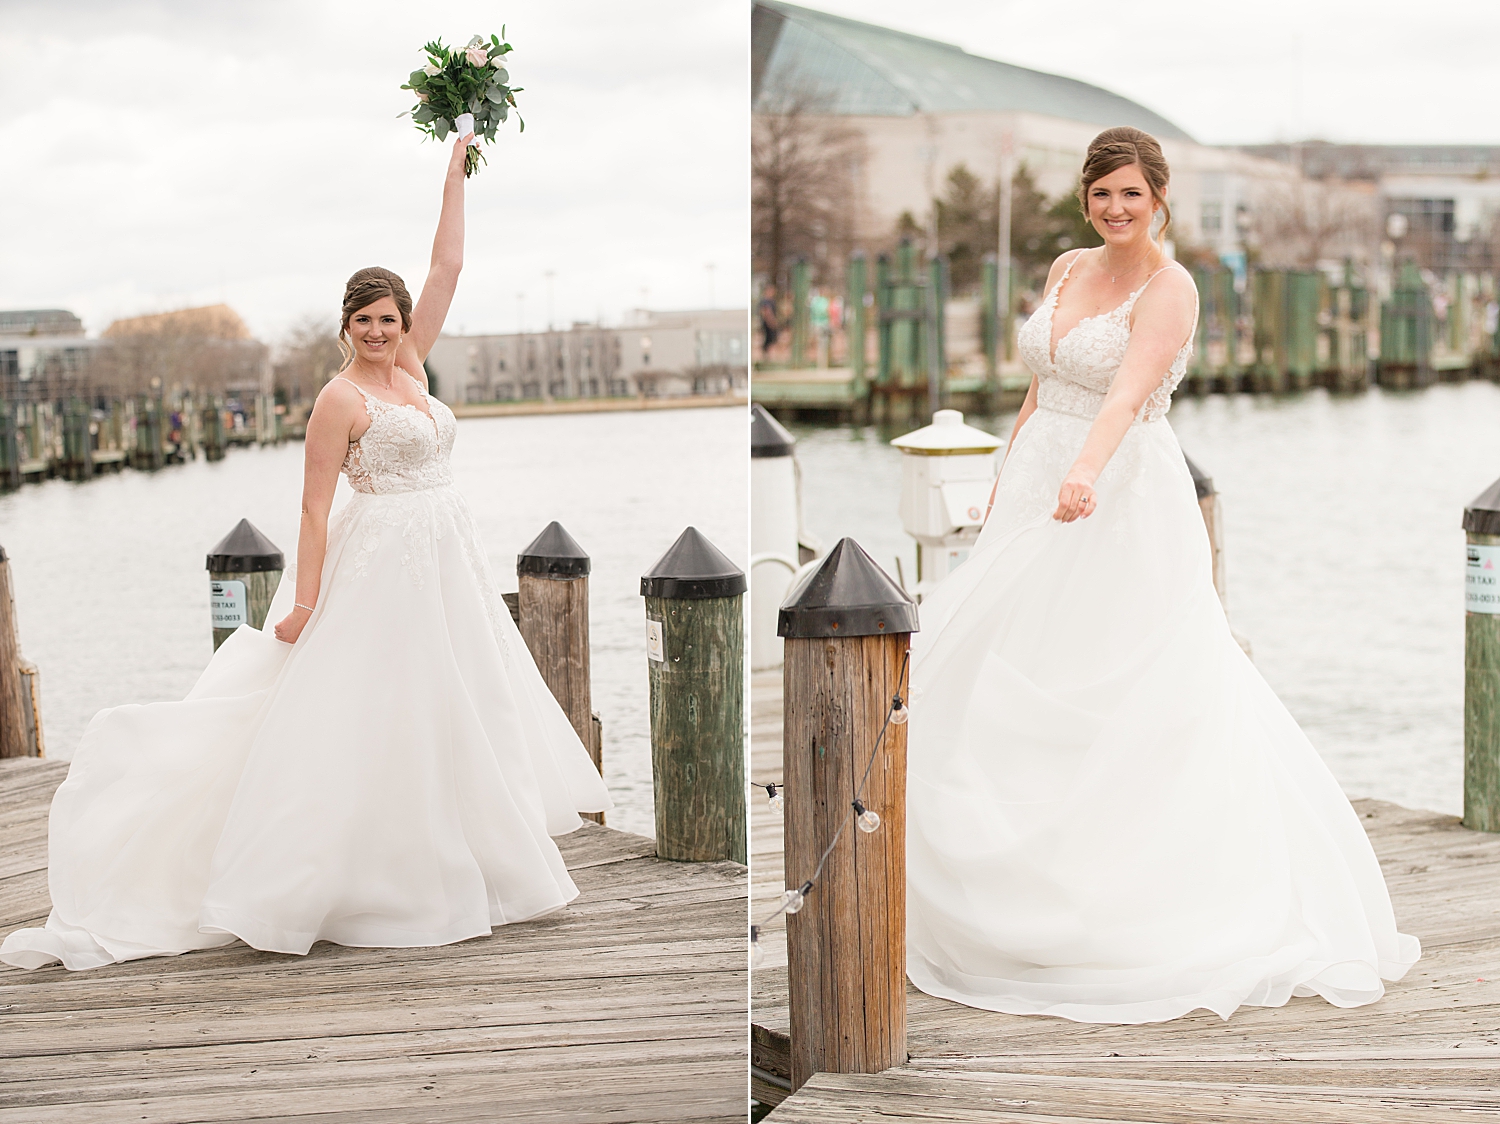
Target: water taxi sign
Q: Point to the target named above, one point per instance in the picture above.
(231, 607)
(1482, 579)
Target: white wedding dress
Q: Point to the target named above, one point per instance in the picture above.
(1111, 817)
(391, 779)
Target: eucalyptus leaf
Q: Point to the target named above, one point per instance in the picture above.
(443, 128)
(423, 115)
(502, 76)
(504, 112)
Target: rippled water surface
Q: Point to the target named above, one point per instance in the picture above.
(1345, 557)
(112, 596)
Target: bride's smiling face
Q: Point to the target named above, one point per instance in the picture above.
(1121, 206)
(376, 330)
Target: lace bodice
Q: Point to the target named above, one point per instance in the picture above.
(1088, 357)
(404, 450)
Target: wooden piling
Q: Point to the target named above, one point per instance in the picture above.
(213, 430)
(244, 569)
(695, 621)
(13, 720)
(1482, 663)
(552, 576)
(847, 627)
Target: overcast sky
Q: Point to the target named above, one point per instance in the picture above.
(164, 154)
(1382, 71)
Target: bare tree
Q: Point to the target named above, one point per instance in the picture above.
(308, 357)
(1297, 225)
(804, 177)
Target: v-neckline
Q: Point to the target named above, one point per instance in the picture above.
(1054, 345)
(402, 405)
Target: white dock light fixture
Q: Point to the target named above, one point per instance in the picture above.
(947, 471)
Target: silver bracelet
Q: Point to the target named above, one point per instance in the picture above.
(299, 605)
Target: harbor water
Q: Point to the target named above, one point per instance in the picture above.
(1344, 548)
(112, 594)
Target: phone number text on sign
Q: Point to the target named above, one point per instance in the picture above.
(1482, 579)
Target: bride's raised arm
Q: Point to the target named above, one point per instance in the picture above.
(1165, 316)
(442, 275)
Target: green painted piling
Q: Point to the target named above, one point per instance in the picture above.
(855, 324)
(989, 323)
(695, 621)
(801, 321)
(1482, 662)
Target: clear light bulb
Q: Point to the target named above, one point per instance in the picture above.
(777, 800)
(899, 713)
(757, 953)
(791, 900)
(865, 819)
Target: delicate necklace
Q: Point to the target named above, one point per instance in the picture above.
(383, 385)
(1127, 272)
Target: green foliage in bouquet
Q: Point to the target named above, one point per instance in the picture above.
(472, 79)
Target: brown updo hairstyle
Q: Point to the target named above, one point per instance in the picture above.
(1119, 148)
(364, 289)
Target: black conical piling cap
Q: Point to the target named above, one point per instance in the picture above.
(848, 595)
(692, 569)
(1203, 483)
(1482, 517)
(768, 437)
(553, 554)
(245, 551)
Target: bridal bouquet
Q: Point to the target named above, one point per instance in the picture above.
(465, 90)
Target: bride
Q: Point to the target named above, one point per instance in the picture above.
(389, 768)
(1111, 817)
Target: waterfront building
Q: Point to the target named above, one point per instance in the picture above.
(1447, 195)
(917, 108)
(43, 353)
(651, 355)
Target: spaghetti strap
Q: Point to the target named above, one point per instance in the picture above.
(1130, 301)
(1067, 269)
(354, 384)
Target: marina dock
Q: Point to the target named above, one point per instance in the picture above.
(1428, 1051)
(629, 1005)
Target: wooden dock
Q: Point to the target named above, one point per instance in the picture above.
(629, 1005)
(1428, 1051)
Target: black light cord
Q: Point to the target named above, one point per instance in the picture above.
(856, 806)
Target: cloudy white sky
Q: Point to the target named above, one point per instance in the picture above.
(1382, 71)
(164, 153)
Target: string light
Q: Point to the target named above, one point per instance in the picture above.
(899, 711)
(793, 900)
(868, 820)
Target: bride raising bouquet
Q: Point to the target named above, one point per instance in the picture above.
(465, 91)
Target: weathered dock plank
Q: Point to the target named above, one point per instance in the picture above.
(1429, 1050)
(629, 1005)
